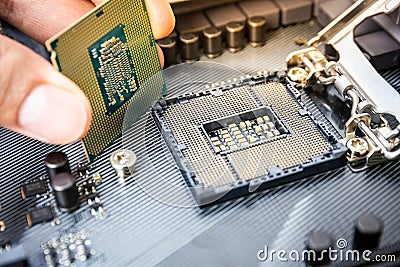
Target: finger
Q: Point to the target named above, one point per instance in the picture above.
(38, 101)
(43, 19)
(161, 16)
(97, 2)
(40, 20)
(160, 55)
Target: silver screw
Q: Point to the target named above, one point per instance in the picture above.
(358, 147)
(123, 161)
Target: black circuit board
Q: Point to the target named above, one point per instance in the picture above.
(152, 218)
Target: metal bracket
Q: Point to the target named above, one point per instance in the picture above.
(355, 78)
(344, 24)
(352, 62)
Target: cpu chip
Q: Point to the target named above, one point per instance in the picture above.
(111, 55)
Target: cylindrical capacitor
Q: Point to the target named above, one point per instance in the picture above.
(65, 191)
(234, 36)
(212, 42)
(56, 162)
(189, 47)
(367, 233)
(319, 242)
(257, 28)
(123, 161)
(168, 46)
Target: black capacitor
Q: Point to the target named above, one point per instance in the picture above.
(169, 48)
(65, 191)
(257, 29)
(173, 35)
(234, 36)
(320, 242)
(189, 47)
(212, 42)
(367, 232)
(56, 162)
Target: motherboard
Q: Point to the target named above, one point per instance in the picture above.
(239, 158)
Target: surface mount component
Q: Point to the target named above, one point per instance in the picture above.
(33, 188)
(328, 10)
(3, 226)
(319, 242)
(240, 138)
(39, 215)
(169, 48)
(65, 191)
(257, 29)
(194, 22)
(72, 249)
(382, 50)
(56, 162)
(368, 231)
(235, 36)
(112, 56)
(244, 129)
(212, 42)
(265, 8)
(82, 169)
(220, 16)
(189, 47)
(293, 11)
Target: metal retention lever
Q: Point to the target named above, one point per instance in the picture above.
(372, 135)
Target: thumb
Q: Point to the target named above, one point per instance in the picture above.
(38, 101)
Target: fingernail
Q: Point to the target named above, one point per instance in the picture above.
(53, 115)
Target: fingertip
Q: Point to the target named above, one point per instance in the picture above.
(160, 55)
(38, 101)
(161, 17)
(97, 2)
(54, 114)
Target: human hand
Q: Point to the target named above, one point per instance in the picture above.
(35, 99)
